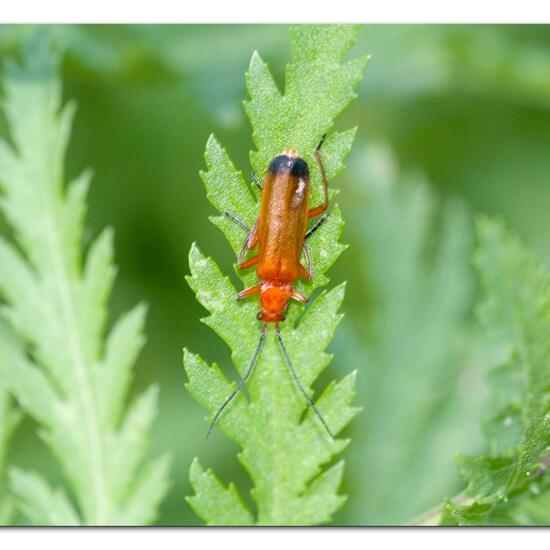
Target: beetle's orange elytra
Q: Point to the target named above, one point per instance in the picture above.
(279, 236)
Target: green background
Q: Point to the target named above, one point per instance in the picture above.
(466, 106)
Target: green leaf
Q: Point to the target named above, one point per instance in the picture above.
(213, 502)
(284, 446)
(516, 317)
(486, 475)
(73, 380)
(527, 508)
(470, 514)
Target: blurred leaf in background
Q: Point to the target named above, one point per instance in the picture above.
(516, 317)
(70, 377)
(412, 347)
(9, 418)
(466, 105)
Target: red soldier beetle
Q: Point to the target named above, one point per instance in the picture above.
(279, 234)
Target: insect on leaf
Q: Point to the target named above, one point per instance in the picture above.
(284, 446)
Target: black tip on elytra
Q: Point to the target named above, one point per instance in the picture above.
(283, 164)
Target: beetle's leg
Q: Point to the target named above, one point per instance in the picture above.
(249, 263)
(256, 181)
(251, 237)
(248, 292)
(316, 226)
(307, 273)
(304, 273)
(322, 207)
(236, 220)
(299, 297)
(249, 243)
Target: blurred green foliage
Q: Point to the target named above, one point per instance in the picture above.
(515, 317)
(414, 346)
(9, 418)
(467, 106)
(68, 378)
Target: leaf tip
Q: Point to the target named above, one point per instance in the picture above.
(212, 141)
(194, 252)
(195, 470)
(255, 59)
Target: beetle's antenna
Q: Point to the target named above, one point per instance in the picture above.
(300, 387)
(243, 379)
(322, 170)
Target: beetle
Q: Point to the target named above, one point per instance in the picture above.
(280, 235)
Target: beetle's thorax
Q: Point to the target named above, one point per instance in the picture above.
(274, 298)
